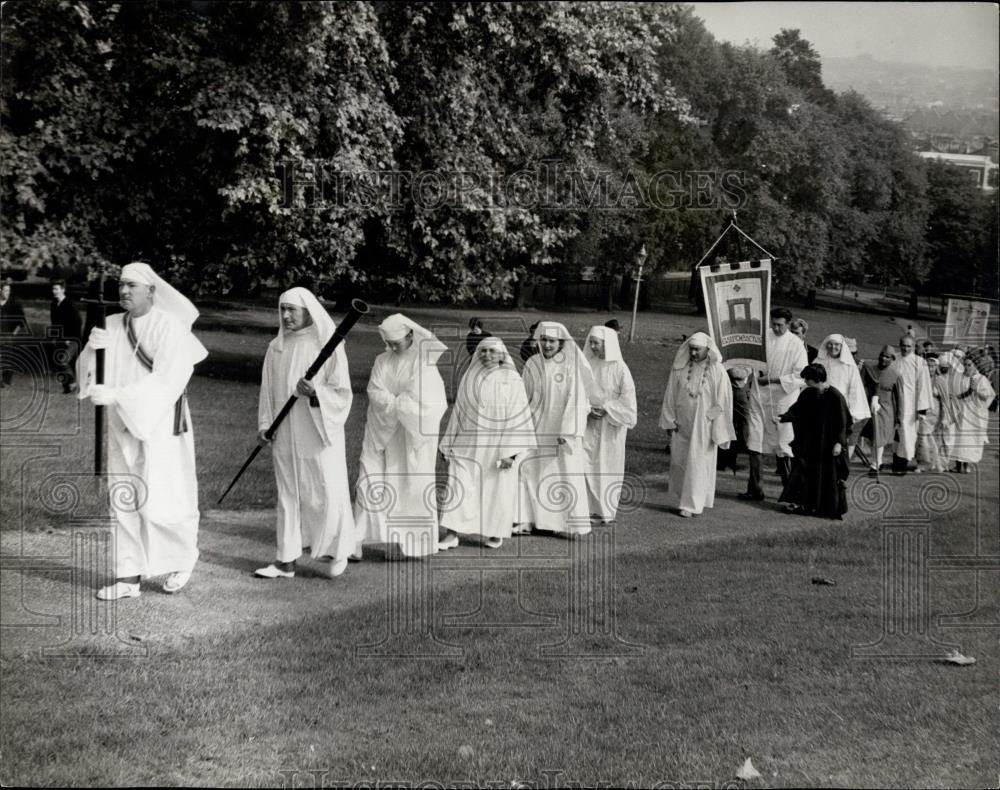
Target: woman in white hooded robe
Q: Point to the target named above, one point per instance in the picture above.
(308, 449)
(557, 381)
(396, 500)
(489, 431)
(613, 411)
(843, 374)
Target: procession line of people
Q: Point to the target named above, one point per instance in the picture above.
(538, 451)
(543, 451)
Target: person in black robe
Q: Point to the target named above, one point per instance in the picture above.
(822, 425)
(530, 346)
(738, 378)
(13, 323)
(65, 328)
(476, 336)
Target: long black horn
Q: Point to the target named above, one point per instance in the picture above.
(357, 310)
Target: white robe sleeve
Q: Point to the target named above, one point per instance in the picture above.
(622, 409)
(922, 384)
(265, 404)
(857, 400)
(333, 391)
(792, 381)
(513, 444)
(722, 432)
(382, 413)
(668, 412)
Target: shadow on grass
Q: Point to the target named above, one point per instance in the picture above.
(741, 656)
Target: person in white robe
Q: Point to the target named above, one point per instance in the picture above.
(557, 381)
(698, 413)
(150, 354)
(489, 431)
(310, 466)
(842, 374)
(396, 502)
(613, 412)
(973, 417)
(914, 401)
(772, 394)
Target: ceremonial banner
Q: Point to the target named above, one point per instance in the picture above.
(966, 322)
(738, 303)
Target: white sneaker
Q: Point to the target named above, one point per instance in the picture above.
(175, 581)
(273, 572)
(493, 543)
(337, 567)
(449, 542)
(114, 592)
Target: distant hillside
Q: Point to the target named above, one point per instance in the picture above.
(903, 88)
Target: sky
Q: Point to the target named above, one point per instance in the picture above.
(932, 33)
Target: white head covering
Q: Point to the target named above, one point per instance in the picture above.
(946, 360)
(699, 340)
(321, 321)
(397, 325)
(166, 297)
(845, 357)
(555, 329)
(612, 348)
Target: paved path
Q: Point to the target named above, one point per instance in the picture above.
(49, 578)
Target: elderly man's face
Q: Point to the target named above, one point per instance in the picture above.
(490, 355)
(906, 346)
(779, 326)
(294, 317)
(697, 353)
(548, 345)
(833, 348)
(135, 297)
(401, 345)
(596, 346)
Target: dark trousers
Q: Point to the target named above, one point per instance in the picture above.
(753, 485)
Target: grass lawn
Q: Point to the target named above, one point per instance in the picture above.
(732, 651)
(740, 656)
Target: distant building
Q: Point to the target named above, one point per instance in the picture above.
(981, 169)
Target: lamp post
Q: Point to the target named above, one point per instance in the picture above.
(638, 282)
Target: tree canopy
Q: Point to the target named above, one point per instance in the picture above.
(449, 151)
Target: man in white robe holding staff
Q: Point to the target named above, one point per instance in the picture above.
(395, 502)
(310, 468)
(150, 357)
(613, 412)
(771, 394)
(489, 430)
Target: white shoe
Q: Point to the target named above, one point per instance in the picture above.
(175, 581)
(685, 514)
(337, 567)
(522, 529)
(357, 555)
(449, 542)
(493, 543)
(273, 572)
(114, 592)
